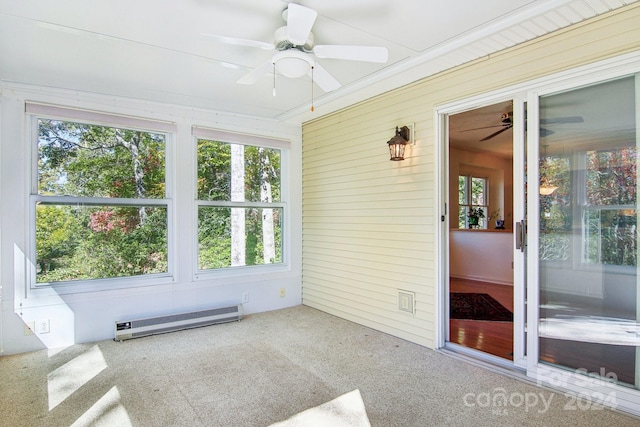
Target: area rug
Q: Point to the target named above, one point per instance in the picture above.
(473, 306)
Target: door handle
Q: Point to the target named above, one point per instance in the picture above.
(521, 235)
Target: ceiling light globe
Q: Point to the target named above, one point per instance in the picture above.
(292, 63)
(293, 67)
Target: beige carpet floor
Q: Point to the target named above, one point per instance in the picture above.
(274, 367)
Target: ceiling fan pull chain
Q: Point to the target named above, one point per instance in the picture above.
(274, 79)
(312, 107)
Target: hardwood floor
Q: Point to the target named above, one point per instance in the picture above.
(617, 361)
(490, 337)
(496, 338)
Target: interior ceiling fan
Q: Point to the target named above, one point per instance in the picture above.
(507, 123)
(296, 51)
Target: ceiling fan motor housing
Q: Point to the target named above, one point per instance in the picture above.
(282, 42)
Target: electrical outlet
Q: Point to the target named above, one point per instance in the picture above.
(43, 326)
(29, 328)
(245, 297)
(282, 292)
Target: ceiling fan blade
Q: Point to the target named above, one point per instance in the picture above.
(496, 133)
(561, 120)
(483, 127)
(352, 53)
(300, 19)
(240, 42)
(324, 79)
(545, 132)
(252, 76)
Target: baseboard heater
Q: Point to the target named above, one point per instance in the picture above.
(128, 329)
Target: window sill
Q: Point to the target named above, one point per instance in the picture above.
(241, 272)
(101, 285)
(482, 230)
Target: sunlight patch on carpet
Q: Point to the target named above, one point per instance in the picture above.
(593, 329)
(68, 378)
(345, 411)
(108, 411)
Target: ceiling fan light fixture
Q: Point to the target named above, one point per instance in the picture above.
(292, 67)
(292, 63)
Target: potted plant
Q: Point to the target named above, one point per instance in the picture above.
(495, 215)
(474, 216)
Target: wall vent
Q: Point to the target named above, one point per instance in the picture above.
(406, 301)
(128, 329)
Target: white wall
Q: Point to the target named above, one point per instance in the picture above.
(485, 255)
(88, 316)
(498, 170)
(476, 254)
(371, 226)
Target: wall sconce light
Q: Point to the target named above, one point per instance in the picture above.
(398, 143)
(547, 190)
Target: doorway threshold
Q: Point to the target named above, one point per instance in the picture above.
(485, 360)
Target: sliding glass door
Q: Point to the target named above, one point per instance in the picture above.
(587, 243)
(576, 292)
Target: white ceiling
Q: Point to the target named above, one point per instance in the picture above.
(154, 49)
(467, 129)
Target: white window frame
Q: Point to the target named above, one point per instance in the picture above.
(35, 111)
(230, 137)
(484, 222)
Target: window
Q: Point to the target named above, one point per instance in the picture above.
(472, 202)
(100, 202)
(240, 211)
(556, 207)
(610, 227)
(601, 196)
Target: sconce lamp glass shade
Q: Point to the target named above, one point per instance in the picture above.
(398, 143)
(547, 190)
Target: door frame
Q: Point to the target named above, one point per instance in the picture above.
(573, 384)
(518, 140)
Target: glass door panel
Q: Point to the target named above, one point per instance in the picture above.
(588, 269)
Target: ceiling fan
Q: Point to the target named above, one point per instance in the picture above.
(507, 123)
(296, 51)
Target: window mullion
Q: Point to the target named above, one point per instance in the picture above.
(226, 204)
(97, 201)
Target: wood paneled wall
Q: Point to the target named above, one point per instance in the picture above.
(370, 225)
